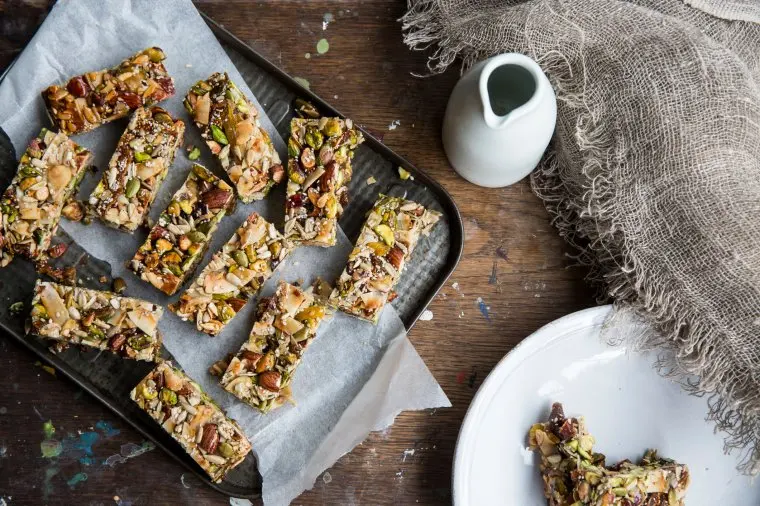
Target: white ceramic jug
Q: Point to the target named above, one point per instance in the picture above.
(499, 120)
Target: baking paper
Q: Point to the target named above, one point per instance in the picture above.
(354, 378)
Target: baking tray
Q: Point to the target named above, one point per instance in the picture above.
(113, 378)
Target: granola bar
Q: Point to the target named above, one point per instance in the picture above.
(101, 320)
(177, 243)
(319, 167)
(229, 124)
(386, 242)
(92, 99)
(193, 419)
(48, 175)
(286, 323)
(143, 156)
(574, 475)
(234, 274)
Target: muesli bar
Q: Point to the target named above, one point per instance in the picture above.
(229, 123)
(386, 242)
(319, 167)
(183, 232)
(193, 419)
(234, 274)
(137, 168)
(94, 98)
(102, 320)
(48, 175)
(286, 323)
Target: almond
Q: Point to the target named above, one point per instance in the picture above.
(210, 438)
(395, 256)
(252, 358)
(117, 342)
(216, 198)
(270, 380)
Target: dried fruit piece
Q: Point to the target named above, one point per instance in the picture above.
(285, 325)
(92, 99)
(193, 419)
(388, 237)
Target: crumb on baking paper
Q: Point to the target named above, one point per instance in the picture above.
(371, 180)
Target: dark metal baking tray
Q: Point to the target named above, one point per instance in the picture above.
(113, 378)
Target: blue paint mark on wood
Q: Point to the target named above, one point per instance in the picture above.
(107, 429)
(77, 478)
(484, 309)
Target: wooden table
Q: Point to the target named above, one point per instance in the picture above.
(514, 262)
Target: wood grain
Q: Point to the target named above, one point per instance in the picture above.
(513, 278)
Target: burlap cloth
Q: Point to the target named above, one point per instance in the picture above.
(654, 170)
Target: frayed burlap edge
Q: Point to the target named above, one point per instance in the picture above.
(588, 223)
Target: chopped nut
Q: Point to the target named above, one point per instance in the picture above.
(119, 285)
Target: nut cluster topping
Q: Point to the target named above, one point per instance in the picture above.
(285, 324)
(48, 175)
(138, 167)
(191, 417)
(95, 98)
(319, 167)
(573, 474)
(181, 236)
(103, 320)
(229, 124)
(388, 237)
(234, 274)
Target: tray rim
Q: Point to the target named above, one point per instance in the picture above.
(456, 248)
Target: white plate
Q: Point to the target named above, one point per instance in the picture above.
(628, 407)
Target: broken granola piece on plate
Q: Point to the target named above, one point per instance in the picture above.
(574, 475)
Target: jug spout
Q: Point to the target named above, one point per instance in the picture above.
(510, 86)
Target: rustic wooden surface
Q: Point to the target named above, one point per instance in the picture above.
(513, 262)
